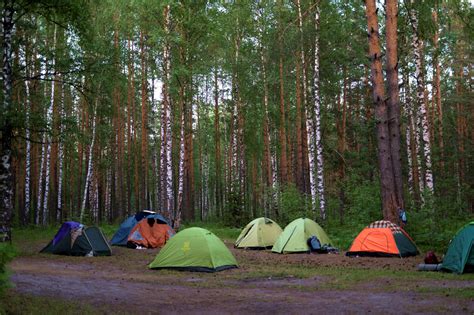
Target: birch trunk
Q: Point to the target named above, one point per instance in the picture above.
(217, 146)
(60, 159)
(49, 121)
(437, 88)
(144, 131)
(177, 217)
(283, 157)
(26, 218)
(166, 171)
(267, 163)
(299, 136)
(90, 166)
(309, 116)
(317, 120)
(6, 176)
(420, 80)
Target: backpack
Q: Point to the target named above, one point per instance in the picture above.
(430, 258)
(314, 244)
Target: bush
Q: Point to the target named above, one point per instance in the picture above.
(7, 252)
(292, 205)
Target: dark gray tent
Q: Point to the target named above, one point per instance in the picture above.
(77, 240)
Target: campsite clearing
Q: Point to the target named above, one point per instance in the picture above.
(265, 282)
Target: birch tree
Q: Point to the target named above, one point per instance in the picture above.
(317, 119)
(417, 44)
(90, 166)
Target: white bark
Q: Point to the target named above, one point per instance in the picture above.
(166, 169)
(409, 130)
(60, 158)
(90, 166)
(309, 116)
(424, 124)
(40, 182)
(49, 120)
(181, 166)
(317, 116)
(28, 152)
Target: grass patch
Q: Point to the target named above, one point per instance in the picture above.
(18, 303)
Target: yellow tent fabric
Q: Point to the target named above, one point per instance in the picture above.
(295, 236)
(260, 233)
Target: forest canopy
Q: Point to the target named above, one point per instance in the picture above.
(230, 110)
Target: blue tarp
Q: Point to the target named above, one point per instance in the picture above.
(121, 236)
(64, 230)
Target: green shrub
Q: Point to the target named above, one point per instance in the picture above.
(7, 252)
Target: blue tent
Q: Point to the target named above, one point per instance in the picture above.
(121, 236)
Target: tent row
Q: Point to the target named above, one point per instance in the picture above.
(381, 238)
(200, 250)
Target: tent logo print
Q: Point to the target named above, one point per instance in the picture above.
(186, 247)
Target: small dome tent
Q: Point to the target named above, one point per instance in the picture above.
(383, 238)
(459, 257)
(294, 238)
(76, 239)
(124, 237)
(259, 233)
(150, 233)
(194, 249)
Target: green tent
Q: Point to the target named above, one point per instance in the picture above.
(194, 249)
(295, 236)
(460, 254)
(260, 233)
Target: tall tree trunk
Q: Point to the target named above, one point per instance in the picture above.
(413, 174)
(420, 80)
(49, 119)
(217, 146)
(181, 162)
(166, 171)
(282, 132)
(299, 136)
(130, 101)
(393, 101)
(317, 119)
(90, 166)
(437, 88)
(389, 198)
(60, 160)
(267, 163)
(26, 217)
(6, 175)
(309, 117)
(144, 131)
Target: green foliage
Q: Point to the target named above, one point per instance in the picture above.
(234, 216)
(363, 197)
(292, 205)
(221, 230)
(7, 253)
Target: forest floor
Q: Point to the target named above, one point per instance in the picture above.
(264, 283)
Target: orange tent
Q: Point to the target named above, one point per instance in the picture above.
(383, 238)
(150, 234)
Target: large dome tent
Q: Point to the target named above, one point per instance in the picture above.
(194, 249)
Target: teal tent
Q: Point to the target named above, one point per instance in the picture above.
(76, 239)
(460, 255)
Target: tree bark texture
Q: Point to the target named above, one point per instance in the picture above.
(388, 193)
(393, 101)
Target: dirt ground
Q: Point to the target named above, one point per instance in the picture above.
(264, 283)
